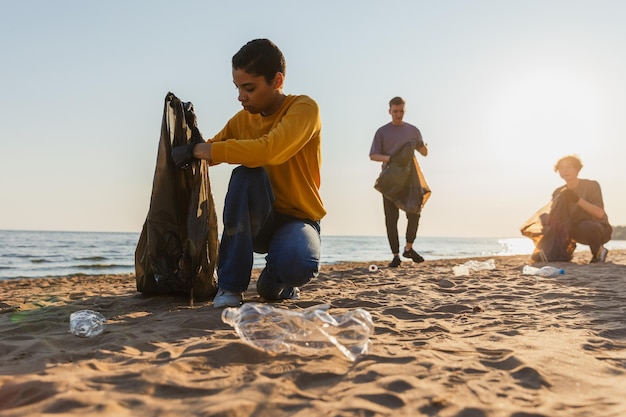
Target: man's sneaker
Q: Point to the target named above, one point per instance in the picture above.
(410, 253)
(290, 293)
(225, 298)
(395, 262)
(600, 256)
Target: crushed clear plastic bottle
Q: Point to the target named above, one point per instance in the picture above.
(312, 331)
(87, 323)
(480, 265)
(544, 271)
(473, 266)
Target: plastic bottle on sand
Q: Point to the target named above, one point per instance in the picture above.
(544, 271)
(480, 265)
(87, 323)
(312, 331)
(473, 266)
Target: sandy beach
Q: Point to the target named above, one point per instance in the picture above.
(494, 343)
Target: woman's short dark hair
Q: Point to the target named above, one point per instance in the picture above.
(260, 57)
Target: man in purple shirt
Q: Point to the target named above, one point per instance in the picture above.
(388, 140)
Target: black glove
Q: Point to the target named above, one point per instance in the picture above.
(183, 155)
(570, 196)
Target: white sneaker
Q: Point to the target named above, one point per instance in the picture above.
(290, 293)
(225, 298)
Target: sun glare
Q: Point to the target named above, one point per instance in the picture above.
(545, 113)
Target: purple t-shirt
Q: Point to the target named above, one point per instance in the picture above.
(390, 138)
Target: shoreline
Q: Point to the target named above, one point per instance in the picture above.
(579, 257)
(493, 343)
(36, 255)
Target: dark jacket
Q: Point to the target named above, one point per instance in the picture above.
(177, 248)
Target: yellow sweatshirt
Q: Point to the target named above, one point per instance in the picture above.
(287, 144)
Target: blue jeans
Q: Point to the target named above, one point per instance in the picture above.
(251, 225)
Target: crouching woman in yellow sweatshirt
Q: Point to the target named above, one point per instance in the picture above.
(273, 203)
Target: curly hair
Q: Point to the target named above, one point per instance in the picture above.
(572, 159)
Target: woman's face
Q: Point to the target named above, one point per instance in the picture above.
(255, 94)
(567, 170)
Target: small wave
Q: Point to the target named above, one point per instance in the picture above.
(51, 275)
(40, 261)
(99, 266)
(15, 255)
(91, 258)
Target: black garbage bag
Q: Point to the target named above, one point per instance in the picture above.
(400, 181)
(178, 245)
(392, 181)
(548, 228)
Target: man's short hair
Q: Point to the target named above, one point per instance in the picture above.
(396, 101)
(260, 57)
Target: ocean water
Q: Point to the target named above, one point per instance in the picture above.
(32, 254)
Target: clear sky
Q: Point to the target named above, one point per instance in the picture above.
(500, 90)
